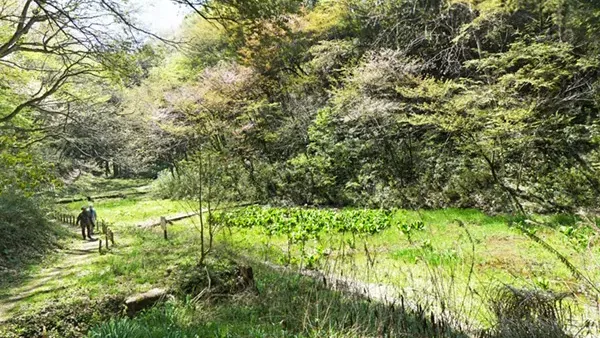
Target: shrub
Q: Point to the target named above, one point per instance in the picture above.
(221, 178)
(529, 313)
(216, 276)
(25, 229)
(174, 185)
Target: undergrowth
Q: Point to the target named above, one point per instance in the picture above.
(26, 231)
(64, 318)
(286, 305)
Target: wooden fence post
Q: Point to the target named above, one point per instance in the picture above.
(163, 225)
(106, 237)
(100, 246)
(111, 236)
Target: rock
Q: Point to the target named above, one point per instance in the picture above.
(144, 300)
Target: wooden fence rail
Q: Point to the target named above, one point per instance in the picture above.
(105, 196)
(66, 219)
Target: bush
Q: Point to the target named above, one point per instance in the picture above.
(216, 276)
(529, 313)
(171, 185)
(221, 178)
(25, 230)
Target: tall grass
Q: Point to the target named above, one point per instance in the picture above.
(287, 305)
(445, 280)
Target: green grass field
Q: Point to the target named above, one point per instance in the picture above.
(461, 265)
(442, 262)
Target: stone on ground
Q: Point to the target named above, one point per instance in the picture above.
(144, 300)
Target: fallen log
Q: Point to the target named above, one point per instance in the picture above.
(169, 219)
(182, 216)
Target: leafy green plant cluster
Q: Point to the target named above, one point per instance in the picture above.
(409, 229)
(579, 237)
(300, 225)
(305, 224)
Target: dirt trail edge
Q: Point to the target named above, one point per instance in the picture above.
(76, 255)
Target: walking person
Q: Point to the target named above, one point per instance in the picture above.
(93, 217)
(85, 221)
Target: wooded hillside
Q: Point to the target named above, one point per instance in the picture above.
(411, 103)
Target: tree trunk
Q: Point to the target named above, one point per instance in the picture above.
(208, 200)
(116, 170)
(200, 197)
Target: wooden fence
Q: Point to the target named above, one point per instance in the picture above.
(101, 225)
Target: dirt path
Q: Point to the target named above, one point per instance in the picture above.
(71, 260)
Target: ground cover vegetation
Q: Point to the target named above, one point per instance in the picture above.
(87, 298)
(429, 269)
(456, 256)
(142, 259)
(380, 133)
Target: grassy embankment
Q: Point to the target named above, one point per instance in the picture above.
(27, 236)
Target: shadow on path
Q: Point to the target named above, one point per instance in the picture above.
(45, 281)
